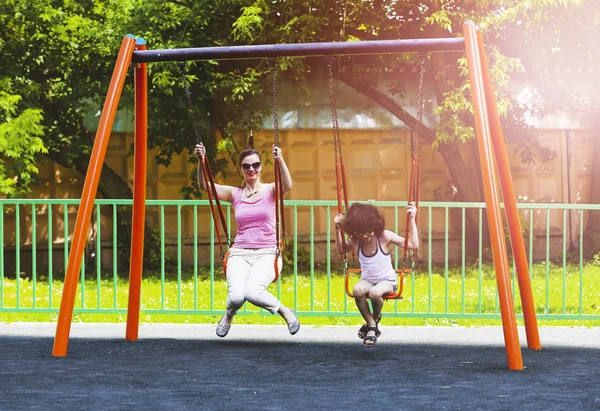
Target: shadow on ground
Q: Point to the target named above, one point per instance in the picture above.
(222, 374)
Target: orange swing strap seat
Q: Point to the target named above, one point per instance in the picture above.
(390, 296)
(413, 192)
(216, 209)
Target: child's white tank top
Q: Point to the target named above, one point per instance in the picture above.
(377, 267)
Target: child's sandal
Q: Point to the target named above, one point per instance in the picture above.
(362, 331)
(370, 340)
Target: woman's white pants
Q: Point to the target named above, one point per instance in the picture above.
(249, 273)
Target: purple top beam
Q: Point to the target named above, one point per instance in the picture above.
(300, 50)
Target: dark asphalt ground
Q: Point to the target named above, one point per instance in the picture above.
(264, 368)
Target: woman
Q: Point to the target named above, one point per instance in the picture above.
(250, 266)
(366, 227)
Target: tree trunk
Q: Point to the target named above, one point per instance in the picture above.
(111, 185)
(467, 187)
(461, 178)
(591, 244)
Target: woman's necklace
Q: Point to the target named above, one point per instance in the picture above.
(250, 193)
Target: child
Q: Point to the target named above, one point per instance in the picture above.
(365, 227)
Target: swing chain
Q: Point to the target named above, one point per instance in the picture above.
(275, 115)
(420, 108)
(334, 117)
(410, 257)
(191, 109)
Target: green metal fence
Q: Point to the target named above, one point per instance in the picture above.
(454, 276)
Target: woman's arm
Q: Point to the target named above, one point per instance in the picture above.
(224, 193)
(286, 178)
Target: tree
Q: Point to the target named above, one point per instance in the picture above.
(58, 60)
(562, 61)
(80, 41)
(20, 128)
(19, 143)
(315, 21)
(232, 90)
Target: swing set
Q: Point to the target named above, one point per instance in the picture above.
(492, 153)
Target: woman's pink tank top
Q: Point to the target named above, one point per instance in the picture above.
(255, 219)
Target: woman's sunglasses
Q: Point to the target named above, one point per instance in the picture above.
(246, 166)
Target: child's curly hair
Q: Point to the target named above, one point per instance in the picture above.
(363, 218)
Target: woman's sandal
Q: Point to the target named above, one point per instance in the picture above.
(294, 326)
(223, 326)
(371, 338)
(362, 331)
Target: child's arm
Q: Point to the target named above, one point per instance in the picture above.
(339, 241)
(413, 238)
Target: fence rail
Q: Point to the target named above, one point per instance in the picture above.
(453, 278)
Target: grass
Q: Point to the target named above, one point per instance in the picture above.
(560, 294)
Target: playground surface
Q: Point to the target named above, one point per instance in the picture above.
(324, 368)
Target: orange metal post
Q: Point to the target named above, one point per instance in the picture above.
(90, 186)
(139, 196)
(509, 322)
(510, 206)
